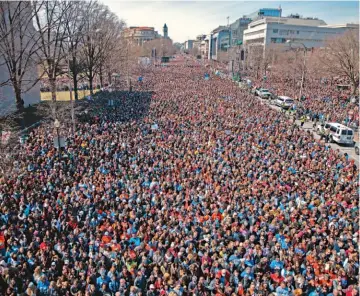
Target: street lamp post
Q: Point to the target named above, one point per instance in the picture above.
(70, 91)
(304, 66)
(127, 65)
(57, 127)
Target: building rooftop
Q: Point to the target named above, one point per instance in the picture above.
(143, 28)
(355, 26)
(219, 28)
(201, 37)
(311, 22)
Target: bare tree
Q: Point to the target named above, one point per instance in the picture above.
(103, 29)
(50, 19)
(163, 47)
(18, 45)
(75, 28)
(341, 57)
(195, 51)
(270, 57)
(114, 60)
(255, 59)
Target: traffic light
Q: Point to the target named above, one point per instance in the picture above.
(242, 55)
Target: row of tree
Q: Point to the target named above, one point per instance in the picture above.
(338, 60)
(77, 37)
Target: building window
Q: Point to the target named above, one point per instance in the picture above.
(275, 30)
(254, 41)
(297, 32)
(284, 32)
(255, 32)
(277, 40)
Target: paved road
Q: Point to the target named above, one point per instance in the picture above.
(309, 126)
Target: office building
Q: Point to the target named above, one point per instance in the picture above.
(198, 41)
(263, 12)
(240, 25)
(139, 35)
(204, 47)
(311, 32)
(189, 44)
(220, 41)
(237, 30)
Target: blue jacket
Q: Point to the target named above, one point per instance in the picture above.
(43, 287)
(282, 291)
(100, 281)
(276, 264)
(114, 286)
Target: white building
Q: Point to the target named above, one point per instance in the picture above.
(189, 44)
(219, 42)
(308, 31)
(204, 47)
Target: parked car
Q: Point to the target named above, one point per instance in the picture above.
(284, 102)
(339, 133)
(356, 148)
(263, 93)
(257, 90)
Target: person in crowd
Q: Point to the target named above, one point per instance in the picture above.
(187, 187)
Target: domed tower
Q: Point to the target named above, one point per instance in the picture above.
(165, 31)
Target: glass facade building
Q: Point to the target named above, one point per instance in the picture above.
(274, 12)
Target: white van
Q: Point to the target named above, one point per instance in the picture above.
(284, 102)
(339, 133)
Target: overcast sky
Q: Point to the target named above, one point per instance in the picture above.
(187, 19)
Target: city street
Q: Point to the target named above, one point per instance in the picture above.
(133, 164)
(308, 126)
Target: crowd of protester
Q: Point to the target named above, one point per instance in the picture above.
(194, 188)
(333, 101)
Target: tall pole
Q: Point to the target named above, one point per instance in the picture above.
(70, 91)
(303, 72)
(58, 137)
(238, 52)
(127, 64)
(304, 66)
(244, 61)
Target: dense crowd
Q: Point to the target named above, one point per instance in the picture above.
(320, 98)
(194, 189)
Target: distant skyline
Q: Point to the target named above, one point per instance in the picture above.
(187, 19)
